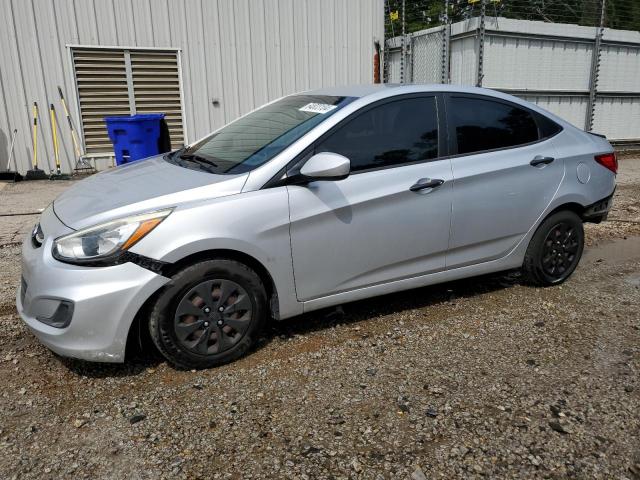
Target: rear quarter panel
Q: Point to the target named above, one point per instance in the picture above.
(585, 181)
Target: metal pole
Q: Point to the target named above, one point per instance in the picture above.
(404, 45)
(446, 35)
(385, 62)
(595, 70)
(480, 73)
(385, 50)
(130, 89)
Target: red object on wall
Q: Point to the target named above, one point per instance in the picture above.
(376, 63)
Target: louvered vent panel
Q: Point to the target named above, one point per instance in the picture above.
(156, 85)
(101, 78)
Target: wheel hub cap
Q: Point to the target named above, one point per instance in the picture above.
(212, 316)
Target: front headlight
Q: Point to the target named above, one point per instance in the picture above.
(108, 239)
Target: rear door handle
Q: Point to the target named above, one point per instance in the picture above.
(425, 183)
(540, 160)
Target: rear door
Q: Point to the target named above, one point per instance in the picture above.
(372, 228)
(505, 174)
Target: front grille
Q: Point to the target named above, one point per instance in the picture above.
(23, 290)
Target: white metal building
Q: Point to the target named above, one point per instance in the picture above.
(202, 62)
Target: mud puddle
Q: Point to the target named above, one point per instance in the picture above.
(617, 251)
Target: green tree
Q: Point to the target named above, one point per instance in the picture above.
(421, 14)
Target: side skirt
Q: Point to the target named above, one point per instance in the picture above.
(511, 261)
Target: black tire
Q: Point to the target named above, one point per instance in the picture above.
(211, 341)
(555, 249)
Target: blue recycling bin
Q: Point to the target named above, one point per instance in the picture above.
(134, 137)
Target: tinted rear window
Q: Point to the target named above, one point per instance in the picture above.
(481, 125)
(548, 128)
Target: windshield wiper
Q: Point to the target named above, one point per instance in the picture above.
(192, 157)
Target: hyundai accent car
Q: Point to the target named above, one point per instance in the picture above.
(314, 200)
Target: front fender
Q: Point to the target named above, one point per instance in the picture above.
(253, 223)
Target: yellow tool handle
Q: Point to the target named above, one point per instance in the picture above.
(73, 132)
(75, 143)
(55, 137)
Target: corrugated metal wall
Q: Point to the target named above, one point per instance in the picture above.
(545, 63)
(240, 53)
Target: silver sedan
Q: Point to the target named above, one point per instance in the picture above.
(313, 200)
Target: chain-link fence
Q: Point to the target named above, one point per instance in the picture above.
(426, 57)
(423, 14)
(578, 58)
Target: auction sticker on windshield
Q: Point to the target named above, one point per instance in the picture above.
(317, 108)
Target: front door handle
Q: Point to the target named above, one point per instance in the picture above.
(425, 183)
(540, 160)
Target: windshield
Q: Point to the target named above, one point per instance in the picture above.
(256, 138)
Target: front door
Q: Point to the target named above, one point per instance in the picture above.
(381, 223)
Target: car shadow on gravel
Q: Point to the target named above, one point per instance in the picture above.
(131, 368)
(142, 356)
(371, 308)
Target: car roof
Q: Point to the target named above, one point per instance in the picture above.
(361, 91)
(385, 90)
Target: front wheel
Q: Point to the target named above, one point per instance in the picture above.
(210, 314)
(555, 249)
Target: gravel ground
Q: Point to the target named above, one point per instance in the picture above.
(483, 378)
(19, 201)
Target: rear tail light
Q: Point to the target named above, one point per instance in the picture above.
(608, 160)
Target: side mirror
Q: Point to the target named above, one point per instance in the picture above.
(326, 166)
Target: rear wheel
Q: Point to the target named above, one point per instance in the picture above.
(555, 249)
(210, 314)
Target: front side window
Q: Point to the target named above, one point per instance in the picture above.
(481, 125)
(256, 138)
(393, 133)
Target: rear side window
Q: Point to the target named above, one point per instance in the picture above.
(548, 128)
(391, 134)
(486, 125)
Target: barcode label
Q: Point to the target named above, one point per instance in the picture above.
(317, 108)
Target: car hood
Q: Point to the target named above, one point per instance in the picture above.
(137, 187)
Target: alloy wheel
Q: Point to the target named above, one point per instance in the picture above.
(560, 250)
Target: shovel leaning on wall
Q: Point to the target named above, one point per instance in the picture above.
(57, 175)
(35, 173)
